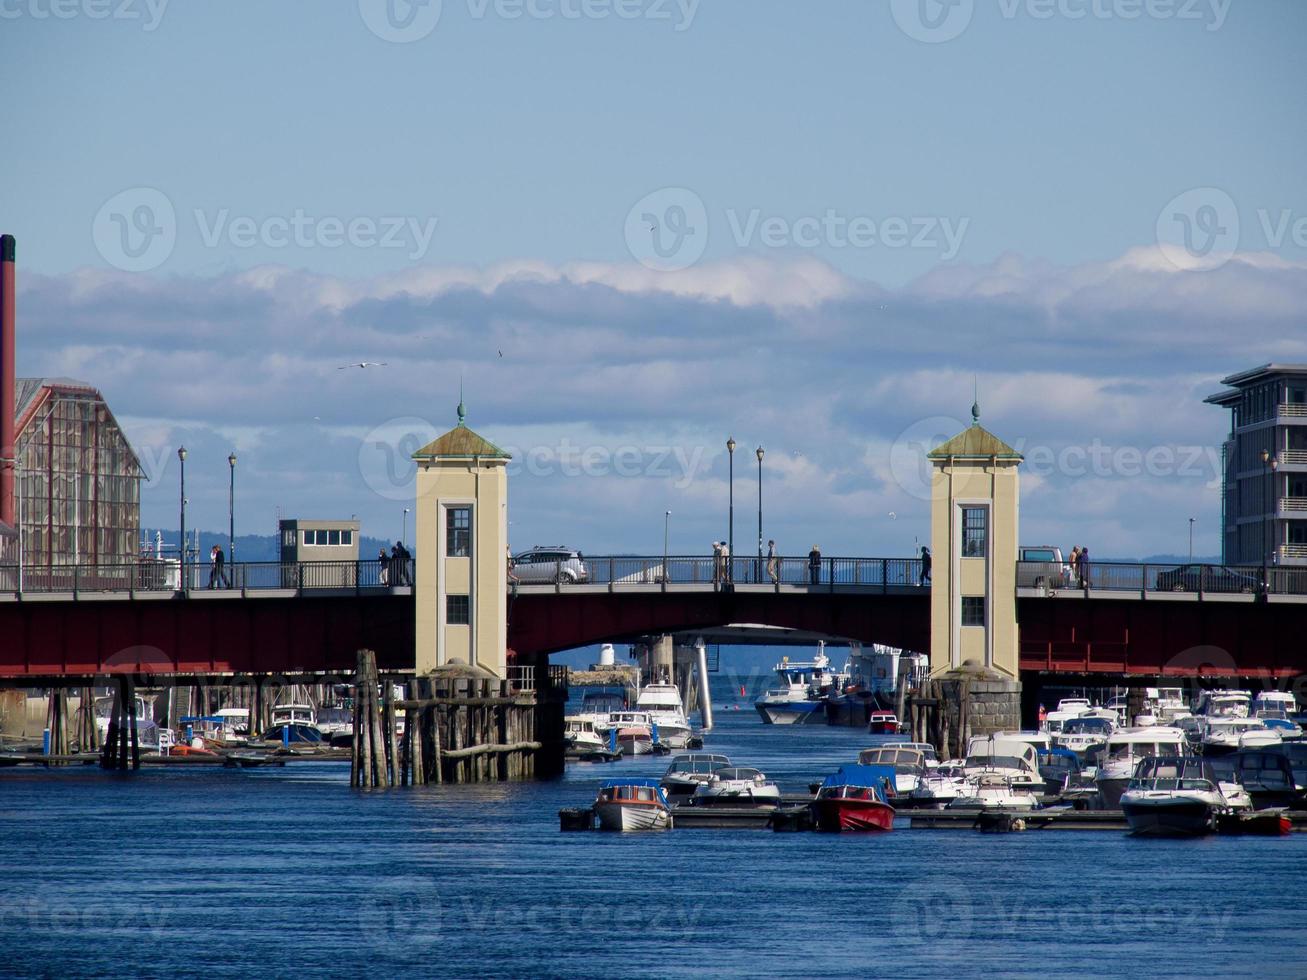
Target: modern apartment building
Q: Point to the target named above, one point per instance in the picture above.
(1264, 500)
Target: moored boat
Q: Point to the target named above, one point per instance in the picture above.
(855, 798)
(800, 699)
(737, 786)
(1123, 752)
(1172, 797)
(687, 772)
(663, 703)
(634, 732)
(632, 804)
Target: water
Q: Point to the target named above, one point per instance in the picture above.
(265, 872)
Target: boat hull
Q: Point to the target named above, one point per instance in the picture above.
(791, 713)
(835, 815)
(1175, 817)
(632, 816)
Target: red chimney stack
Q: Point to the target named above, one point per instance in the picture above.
(8, 462)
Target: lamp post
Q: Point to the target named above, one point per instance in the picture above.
(231, 509)
(758, 571)
(667, 523)
(1272, 464)
(1191, 539)
(181, 568)
(730, 523)
(403, 532)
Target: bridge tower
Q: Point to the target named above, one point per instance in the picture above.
(461, 540)
(975, 493)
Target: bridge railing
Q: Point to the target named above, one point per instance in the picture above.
(619, 570)
(1145, 577)
(154, 576)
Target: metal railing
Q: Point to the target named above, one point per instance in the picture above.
(1297, 457)
(160, 577)
(1292, 410)
(1149, 577)
(624, 570)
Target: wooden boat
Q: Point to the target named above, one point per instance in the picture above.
(632, 804)
(855, 798)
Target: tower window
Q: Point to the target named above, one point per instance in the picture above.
(458, 610)
(973, 532)
(458, 532)
(973, 610)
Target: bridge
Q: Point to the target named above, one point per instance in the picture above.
(68, 624)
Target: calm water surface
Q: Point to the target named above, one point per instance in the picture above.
(265, 873)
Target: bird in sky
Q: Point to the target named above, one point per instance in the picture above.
(361, 364)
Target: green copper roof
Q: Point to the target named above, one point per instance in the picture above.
(975, 442)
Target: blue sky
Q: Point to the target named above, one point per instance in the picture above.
(474, 202)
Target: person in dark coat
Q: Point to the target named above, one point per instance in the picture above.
(383, 567)
(814, 565)
(1084, 567)
(402, 558)
(924, 577)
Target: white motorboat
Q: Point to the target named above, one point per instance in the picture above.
(1084, 735)
(666, 714)
(799, 701)
(737, 786)
(1277, 702)
(995, 789)
(598, 706)
(1173, 797)
(632, 804)
(1222, 734)
(581, 737)
(634, 732)
(1013, 758)
(688, 772)
(1224, 704)
(908, 763)
(336, 720)
(1123, 752)
(294, 714)
(928, 753)
(942, 785)
(1162, 706)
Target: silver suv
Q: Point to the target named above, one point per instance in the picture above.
(558, 564)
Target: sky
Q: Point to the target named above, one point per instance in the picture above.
(633, 228)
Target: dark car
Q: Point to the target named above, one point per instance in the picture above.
(1206, 578)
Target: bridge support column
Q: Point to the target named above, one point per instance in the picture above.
(121, 747)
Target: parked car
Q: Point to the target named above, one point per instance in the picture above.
(1041, 566)
(1206, 578)
(555, 564)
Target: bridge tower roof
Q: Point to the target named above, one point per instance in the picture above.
(975, 442)
(461, 442)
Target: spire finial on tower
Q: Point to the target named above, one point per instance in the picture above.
(462, 412)
(975, 404)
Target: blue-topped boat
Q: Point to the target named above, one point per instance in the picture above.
(855, 798)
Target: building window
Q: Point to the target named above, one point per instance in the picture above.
(973, 610)
(458, 532)
(457, 610)
(973, 532)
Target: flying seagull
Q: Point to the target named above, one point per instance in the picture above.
(361, 364)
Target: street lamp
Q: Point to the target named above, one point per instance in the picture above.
(759, 455)
(1272, 464)
(730, 524)
(231, 509)
(667, 523)
(403, 533)
(1191, 539)
(181, 568)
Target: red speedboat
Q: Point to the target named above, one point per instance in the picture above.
(855, 798)
(883, 723)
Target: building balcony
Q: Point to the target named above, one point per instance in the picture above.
(1291, 414)
(1291, 507)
